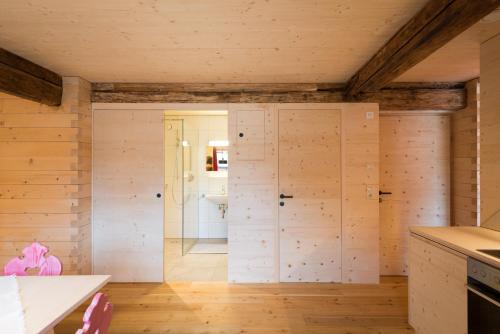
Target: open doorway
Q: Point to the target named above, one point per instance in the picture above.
(196, 174)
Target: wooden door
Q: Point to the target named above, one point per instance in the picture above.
(127, 190)
(309, 170)
(415, 167)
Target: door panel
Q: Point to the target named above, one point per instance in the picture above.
(415, 167)
(127, 214)
(309, 170)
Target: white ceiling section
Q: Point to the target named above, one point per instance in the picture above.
(202, 41)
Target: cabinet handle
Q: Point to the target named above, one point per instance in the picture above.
(285, 196)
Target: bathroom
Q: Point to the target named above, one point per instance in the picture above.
(196, 183)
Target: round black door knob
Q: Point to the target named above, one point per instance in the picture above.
(241, 134)
(282, 203)
(158, 195)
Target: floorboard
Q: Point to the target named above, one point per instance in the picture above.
(217, 307)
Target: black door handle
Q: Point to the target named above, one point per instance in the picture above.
(380, 192)
(158, 195)
(285, 196)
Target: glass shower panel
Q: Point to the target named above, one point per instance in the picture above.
(181, 197)
(190, 230)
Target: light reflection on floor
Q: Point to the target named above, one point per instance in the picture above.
(193, 267)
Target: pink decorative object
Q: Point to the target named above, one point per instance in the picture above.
(34, 257)
(97, 317)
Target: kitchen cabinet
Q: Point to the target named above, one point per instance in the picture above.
(437, 288)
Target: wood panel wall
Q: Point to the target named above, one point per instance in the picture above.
(253, 254)
(253, 192)
(360, 186)
(415, 167)
(45, 184)
(465, 160)
(490, 131)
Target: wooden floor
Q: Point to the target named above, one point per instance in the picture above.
(195, 308)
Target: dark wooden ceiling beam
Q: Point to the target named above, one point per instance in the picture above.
(28, 80)
(430, 29)
(400, 96)
(214, 87)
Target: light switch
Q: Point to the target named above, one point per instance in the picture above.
(370, 191)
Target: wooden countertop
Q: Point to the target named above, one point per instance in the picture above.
(465, 240)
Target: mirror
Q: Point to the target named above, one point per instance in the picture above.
(216, 158)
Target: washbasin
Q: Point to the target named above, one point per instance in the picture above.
(217, 198)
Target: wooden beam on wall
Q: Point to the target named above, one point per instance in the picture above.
(214, 87)
(400, 96)
(417, 99)
(430, 29)
(28, 80)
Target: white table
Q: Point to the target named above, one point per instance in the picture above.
(49, 299)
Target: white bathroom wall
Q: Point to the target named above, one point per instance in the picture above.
(212, 225)
(202, 219)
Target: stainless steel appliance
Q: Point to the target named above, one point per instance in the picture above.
(483, 298)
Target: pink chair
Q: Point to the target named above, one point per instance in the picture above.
(97, 317)
(34, 257)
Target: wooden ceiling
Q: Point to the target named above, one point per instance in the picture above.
(196, 41)
(459, 59)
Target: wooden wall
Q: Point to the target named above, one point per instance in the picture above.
(465, 161)
(415, 167)
(253, 192)
(360, 186)
(45, 184)
(490, 129)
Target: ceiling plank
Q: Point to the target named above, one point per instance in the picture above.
(28, 80)
(430, 29)
(402, 96)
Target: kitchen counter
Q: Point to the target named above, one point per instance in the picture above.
(465, 240)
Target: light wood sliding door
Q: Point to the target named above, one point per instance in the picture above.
(310, 182)
(415, 168)
(127, 194)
